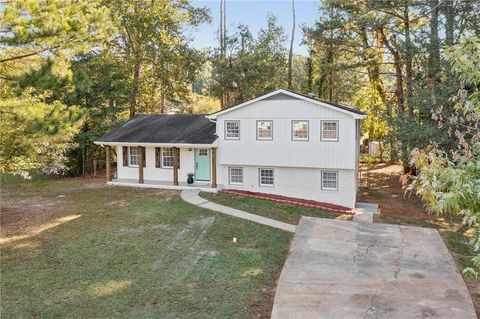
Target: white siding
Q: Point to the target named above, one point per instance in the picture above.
(282, 151)
(297, 182)
(297, 164)
(153, 173)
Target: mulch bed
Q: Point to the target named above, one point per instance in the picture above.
(290, 200)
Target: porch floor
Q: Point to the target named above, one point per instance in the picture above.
(202, 186)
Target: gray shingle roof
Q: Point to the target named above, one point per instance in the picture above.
(181, 128)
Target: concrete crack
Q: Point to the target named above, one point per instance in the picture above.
(354, 257)
(400, 253)
(371, 309)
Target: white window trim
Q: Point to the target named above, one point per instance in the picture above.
(264, 138)
(321, 131)
(230, 175)
(329, 188)
(300, 138)
(260, 177)
(239, 130)
(161, 158)
(130, 159)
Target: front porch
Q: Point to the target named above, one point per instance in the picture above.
(162, 165)
(197, 185)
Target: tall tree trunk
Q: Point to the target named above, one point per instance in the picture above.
(135, 86)
(220, 42)
(373, 57)
(310, 70)
(408, 60)
(448, 12)
(162, 102)
(434, 51)
(398, 71)
(223, 50)
(398, 93)
(290, 53)
(330, 73)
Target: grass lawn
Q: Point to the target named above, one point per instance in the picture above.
(286, 213)
(76, 248)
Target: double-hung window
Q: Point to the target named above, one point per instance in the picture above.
(329, 131)
(266, 177)
(300, 130)
(264, 130)
(133, 156)
(330, 180)
(232, 130)
(167, 157)
(235, 175)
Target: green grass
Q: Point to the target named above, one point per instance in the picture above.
(283, 212)
(135, 253)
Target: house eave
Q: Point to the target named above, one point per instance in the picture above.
(180, 145)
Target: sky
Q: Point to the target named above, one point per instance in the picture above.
(253, 13)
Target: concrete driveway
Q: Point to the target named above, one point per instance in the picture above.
(342, 269)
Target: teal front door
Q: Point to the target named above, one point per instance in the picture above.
(202, 164)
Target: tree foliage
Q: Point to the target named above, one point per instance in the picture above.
(449, 182)
(252, 65)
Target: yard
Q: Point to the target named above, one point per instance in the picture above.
(77, 248)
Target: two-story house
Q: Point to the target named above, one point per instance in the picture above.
(282, 143)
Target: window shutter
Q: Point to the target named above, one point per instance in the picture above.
(144, 156)
(157, 157)
(178, 158)
(125, 155)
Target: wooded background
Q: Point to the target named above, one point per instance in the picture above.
(72, 70)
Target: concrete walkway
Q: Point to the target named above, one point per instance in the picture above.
(191, 196)
(339, 269)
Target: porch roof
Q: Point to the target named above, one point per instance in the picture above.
(163, 129)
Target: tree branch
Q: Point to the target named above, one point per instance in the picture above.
(18, 57)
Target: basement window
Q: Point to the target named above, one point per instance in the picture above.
(235, 175)
(329, 180)
(266, 177)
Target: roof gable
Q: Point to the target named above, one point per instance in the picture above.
(282, 94)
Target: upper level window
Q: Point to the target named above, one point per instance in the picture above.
(235, 175)
(167, 157)
(232, 130)
(329, 130)
(264, 130)
(330, 180)
(300, 130)
(133, 156)
(266, 176)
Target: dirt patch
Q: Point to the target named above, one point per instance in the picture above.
(16, 215)
(384, 188)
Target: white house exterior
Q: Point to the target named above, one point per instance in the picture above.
(282, 143)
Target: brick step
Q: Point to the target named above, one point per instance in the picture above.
(290, 200)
